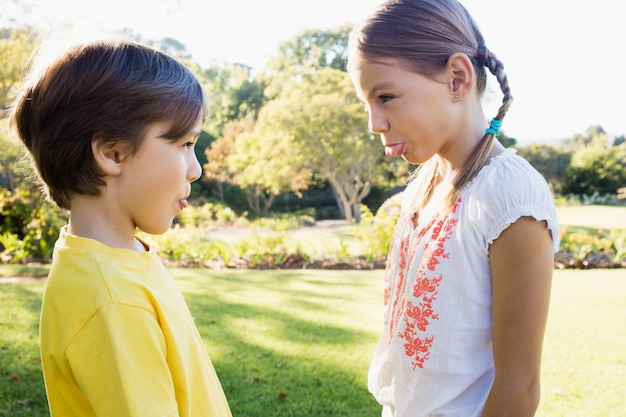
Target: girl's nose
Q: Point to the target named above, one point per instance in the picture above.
(376, 123)
(194, 171)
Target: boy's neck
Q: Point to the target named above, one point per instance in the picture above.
(90, 219)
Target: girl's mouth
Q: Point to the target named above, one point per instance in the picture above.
(396, 149)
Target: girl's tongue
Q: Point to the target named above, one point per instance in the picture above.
(394, 150)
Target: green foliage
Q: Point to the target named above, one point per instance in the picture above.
(550, 161)
(29, 226)
(16, 46)
(586, 199)
(304, 55)
(268, 250)
(581, 242)
(285, 221)
(376, 232)
(587, 230)
(14, 169)
(210, 214)
(596, 169)
(190, 246)
(233, 95)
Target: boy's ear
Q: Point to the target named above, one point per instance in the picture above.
(461, 72)
(108, 155)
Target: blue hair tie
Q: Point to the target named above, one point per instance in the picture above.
(494, 127)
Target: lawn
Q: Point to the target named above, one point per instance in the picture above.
(597, 217)
(298, 343)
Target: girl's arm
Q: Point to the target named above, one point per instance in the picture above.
(522, 261)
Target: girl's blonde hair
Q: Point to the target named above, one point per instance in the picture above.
(422, 35)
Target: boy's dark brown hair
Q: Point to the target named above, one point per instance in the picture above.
(107, 90)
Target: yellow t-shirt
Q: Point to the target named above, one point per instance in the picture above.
(117, 338)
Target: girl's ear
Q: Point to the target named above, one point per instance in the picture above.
(461, 73)
(108, 155)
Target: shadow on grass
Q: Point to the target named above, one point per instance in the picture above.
(284, 343)
(22, 391)
(288, 343)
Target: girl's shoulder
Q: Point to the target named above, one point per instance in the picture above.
(507, 188)
(509, 173)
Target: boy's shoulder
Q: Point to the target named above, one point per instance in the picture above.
(89, 268)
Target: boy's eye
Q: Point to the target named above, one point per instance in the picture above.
(384, 98)
(189, 144)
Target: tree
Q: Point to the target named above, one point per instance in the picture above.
(596, 169)
(313, 108)
(16, 46)
(265, 163)
(217, 170)
(550, 161)
(14, 169)
(325, 128)
(505, 140)
(304, 54)
(233, 95)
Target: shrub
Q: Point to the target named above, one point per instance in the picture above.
(586, 199)
(190, 246)
(376, 232)
(29, 225)
(580, 243)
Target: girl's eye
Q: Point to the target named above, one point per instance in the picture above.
(384, 98)
(189, 144)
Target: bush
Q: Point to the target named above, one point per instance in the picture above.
(29, 226)
(582, 244)
(377, 231)
(189, 246)
(587, 199)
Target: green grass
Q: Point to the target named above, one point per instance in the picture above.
(596, 217)
(584, 360)
(27, 271)
(310, 335)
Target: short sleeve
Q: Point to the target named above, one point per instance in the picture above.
(119, 361)
(505, 190)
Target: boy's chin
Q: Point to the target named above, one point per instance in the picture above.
(156, 230)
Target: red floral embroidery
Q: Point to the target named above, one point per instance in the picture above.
(418, 313)
(398, 302)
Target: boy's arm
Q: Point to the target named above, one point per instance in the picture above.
(522, 262)
(119, 362)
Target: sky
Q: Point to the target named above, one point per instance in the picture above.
(564, 59)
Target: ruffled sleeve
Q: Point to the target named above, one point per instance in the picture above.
(505, 190)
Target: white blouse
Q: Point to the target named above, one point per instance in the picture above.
(434, 356)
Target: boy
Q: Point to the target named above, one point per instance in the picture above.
(110, 127)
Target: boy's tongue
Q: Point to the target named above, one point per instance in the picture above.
(394, 150)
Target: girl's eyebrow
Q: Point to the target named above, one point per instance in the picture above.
(380, 86)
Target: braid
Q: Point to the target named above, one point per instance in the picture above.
(495, 66)
(480, 155)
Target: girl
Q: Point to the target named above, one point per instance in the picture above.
(469, 269)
